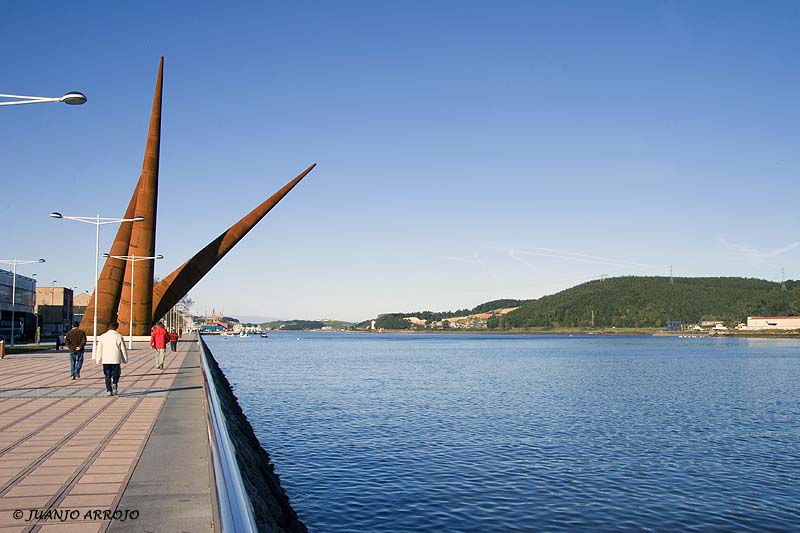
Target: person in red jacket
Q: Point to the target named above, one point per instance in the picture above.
(173, 340)
(158, 341)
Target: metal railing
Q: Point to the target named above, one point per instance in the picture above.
(235, 508)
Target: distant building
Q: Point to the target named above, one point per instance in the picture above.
(773, 322)
(54, 309)
(79, 304)
(213, 319)
(674, 325)
(209, 323)
(24, 306)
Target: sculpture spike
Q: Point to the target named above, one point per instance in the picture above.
(143, 234)
(171, 289)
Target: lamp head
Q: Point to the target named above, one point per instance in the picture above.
(105, 255)
(74, 98)
(41, 261)
(159, 256)
(138, 219)
(56, 214)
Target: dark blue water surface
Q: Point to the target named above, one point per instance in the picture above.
(394, 433)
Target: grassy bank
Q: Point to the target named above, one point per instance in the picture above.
(30, 348)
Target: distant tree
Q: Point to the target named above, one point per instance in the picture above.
(392, 321)
(187, 302)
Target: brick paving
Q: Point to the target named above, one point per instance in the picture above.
(65, 447)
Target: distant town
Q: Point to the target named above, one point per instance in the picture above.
(680, 305)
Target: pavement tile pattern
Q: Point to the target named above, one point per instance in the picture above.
(67, 451)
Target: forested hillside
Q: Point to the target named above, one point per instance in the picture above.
(397, 320)
(300, 325)
(653, 301)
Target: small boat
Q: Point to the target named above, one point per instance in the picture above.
(243, 334)
(264, 336)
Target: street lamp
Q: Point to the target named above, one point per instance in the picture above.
(133, 259)
(16, 262)
(52, 305)
(71, 98)
(97, 221)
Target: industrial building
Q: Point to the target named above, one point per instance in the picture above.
(54, 309)
(773, 322)
(24, 302)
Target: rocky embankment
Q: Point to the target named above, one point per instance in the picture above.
(273, 512)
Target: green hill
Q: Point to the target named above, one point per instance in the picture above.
(299, 325)
(653, 301)
(397, 320)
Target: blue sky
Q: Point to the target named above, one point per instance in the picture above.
(466, 151)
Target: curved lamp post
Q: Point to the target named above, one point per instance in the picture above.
(16, 262)
(97, 221)
(71, 98)
(133, 259)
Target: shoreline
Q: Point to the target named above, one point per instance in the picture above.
(643, 332)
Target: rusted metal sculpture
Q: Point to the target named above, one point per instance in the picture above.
(152, 303)
(171, 289)
(143, 234)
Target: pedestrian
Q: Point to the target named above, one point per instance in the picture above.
(76, 341)
(111, 352)
(58, 342)
(158, 341)
(173, 340)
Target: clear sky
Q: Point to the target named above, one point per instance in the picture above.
(467, 151)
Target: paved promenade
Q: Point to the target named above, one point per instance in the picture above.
(70, 456)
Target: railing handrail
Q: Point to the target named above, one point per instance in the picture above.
(235, 508)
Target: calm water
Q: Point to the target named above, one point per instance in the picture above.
(394, 433)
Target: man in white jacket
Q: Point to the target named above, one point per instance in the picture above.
(111, 352)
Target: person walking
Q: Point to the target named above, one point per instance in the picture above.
(158, 341)
(173, 340)
(111, 352)
(76, 341)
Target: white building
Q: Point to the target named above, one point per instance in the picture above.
(773, 322)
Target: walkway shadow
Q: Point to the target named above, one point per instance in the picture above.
(58, 387)
(154, 391)
(149, 374)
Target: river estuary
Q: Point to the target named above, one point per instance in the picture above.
(447, 432)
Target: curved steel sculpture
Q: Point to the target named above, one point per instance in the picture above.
(171, 289)
(152, 303)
